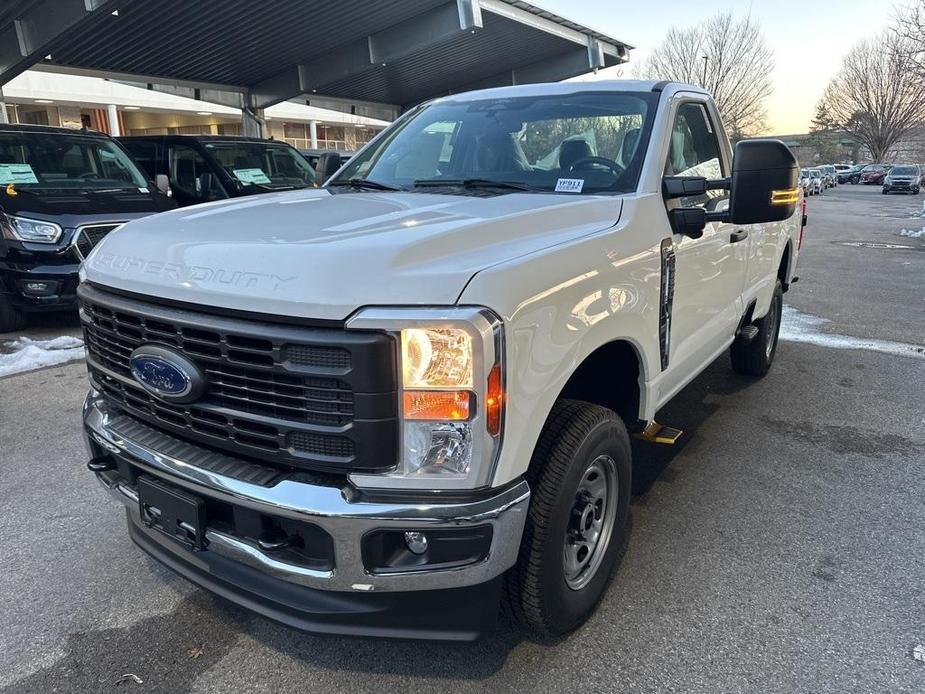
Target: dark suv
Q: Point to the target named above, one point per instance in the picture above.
(202, 168)
(61, 191)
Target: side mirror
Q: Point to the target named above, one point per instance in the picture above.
(684, 186)
(688, 221)
(764, 182)
(163, 184)
(328, 164)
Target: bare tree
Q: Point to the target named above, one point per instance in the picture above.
(726, 56)
(876, 96)
(909, 29)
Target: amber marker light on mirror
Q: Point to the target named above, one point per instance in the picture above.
(790, 196)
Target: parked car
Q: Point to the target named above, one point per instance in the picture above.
(806, 182)
(818, 181)
(202, 168)
(873, 174)
(846, 172)
(829, 174)
(362, 409)
(61, 192)
(903, 178)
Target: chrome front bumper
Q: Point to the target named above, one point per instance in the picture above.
(328, 507)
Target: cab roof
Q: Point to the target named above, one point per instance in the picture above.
(206, 138)
(50, 130)
(575, 87)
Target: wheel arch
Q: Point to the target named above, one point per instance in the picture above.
(613, 375)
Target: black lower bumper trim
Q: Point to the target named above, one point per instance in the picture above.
(458, 614)
(62, 279)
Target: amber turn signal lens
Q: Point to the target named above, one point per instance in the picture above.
(785, 197)
(494, 401)
(440, 405)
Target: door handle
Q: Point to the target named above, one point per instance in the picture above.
(738, 235)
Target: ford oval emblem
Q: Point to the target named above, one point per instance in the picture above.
(167, 374)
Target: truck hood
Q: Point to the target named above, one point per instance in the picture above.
(314, 254)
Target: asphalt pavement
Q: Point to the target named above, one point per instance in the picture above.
(780, 547)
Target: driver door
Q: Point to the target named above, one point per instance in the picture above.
(709, 271)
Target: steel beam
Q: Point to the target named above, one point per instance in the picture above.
(572, 63)
(29, 37)
(375, 50)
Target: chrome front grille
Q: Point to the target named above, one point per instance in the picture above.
(89, 235)
(300, 396)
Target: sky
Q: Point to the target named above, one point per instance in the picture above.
(808, 37)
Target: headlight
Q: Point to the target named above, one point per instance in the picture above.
(451, 398)
(887, 180)
(436, 358)
(31, 230)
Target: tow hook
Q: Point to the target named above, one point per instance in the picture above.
(277, 545)
(101, 464)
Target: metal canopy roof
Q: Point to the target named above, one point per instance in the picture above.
(399, 52)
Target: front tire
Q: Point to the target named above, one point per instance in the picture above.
(580, 477)
(756, 357)
(11, 318)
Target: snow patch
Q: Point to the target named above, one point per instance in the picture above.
(25, 354)
(913, 233)
(918, 653)
(803, 327)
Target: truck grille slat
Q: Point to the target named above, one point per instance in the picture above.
(284, 394)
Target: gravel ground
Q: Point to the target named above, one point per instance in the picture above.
(778, 548)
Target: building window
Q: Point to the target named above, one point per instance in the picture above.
(33, 117)
(364, 135)
(331, 137)
(295, 131)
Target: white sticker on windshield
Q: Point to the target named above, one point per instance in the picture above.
(17, 173)
(248, 176)
(143, 190)
(570, 185)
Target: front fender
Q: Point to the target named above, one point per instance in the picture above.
(559, 305)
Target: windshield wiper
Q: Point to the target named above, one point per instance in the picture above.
(106, 191)
(471, 183)
(365, 183)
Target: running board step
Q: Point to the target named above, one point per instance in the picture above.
(746, 334)
(657, 433)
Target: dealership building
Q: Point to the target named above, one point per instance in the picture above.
(118, 108)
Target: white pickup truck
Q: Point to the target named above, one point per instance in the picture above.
(378, 407)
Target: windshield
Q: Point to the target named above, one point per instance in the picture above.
(815, 174)
(576, 143)
(903, 171)
(41, 162)
(266, 165)
(874, 167)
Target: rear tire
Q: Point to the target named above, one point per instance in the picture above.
(11, 318)
(756, 357)
(580, 477)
